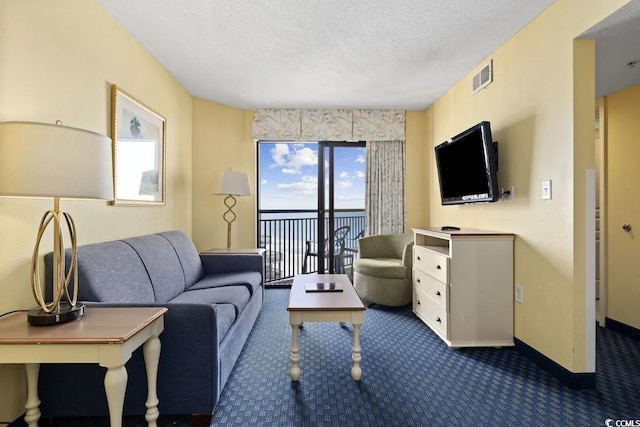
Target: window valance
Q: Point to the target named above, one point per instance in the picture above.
(272, 124)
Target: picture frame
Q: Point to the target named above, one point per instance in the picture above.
(139, 151)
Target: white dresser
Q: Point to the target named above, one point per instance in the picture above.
(463, 285)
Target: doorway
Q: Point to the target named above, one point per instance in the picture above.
(308, 193)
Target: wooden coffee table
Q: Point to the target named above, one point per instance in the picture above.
(341, 307)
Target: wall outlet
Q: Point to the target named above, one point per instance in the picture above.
(518, 294)
(507, 194)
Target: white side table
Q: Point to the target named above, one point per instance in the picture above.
(107, 336)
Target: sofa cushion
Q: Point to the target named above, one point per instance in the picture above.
(250, 279)
(390, 268)
(187, 254)
(238, 296)
(111, 272)
(162, 264)
(225, 317)
(229, 301)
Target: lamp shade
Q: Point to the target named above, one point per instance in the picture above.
(230, 182)
(47, 160)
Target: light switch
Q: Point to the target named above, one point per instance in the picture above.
(546, 190)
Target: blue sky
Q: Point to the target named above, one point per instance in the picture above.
(288, 176)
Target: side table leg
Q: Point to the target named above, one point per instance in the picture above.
(151, 352)
(115, 386)
(33, 402)
(295, 354)
(356, 371)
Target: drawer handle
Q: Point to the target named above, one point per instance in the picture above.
(438, 267)
(418, 302)
(437, 293)
(418, 280)
(418, 258)
(438, 320)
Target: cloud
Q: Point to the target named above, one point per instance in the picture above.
(345, 184)
(292, 157)
(360, 159)
(279, 153)
(307, 185)
(299, 187)
(264, 181)
(344, 175)
(359, 174)
(303, 157)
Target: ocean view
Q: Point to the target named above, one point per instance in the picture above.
(285, 235)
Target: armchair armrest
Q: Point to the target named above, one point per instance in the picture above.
(407, 255)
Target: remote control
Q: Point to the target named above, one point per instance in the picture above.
(449, 228)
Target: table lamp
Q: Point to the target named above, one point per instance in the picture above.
(232, 184)
(46, 160)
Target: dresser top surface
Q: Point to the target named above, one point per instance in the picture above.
(461, 232)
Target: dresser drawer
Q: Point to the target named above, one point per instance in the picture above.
(431, 312)
(434, 264)
(437, 290)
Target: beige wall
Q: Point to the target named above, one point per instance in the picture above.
(416, 173)
(623, 205)
(222, 139)
(58, 59)
(540, 106)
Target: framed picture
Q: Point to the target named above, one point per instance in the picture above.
(139, 140)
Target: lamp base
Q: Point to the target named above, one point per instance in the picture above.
(65, 313)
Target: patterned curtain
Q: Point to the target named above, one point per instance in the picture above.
(273, 124)
(378, 125)
(326, 125)
(384, 192)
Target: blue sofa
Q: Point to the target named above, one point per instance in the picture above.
(213, 302)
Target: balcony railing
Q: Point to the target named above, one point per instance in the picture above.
(284, 233)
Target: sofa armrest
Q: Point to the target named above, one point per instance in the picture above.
(232, 263)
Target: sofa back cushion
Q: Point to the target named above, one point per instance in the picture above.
(162, 264)
(187, 254)
(110, 272)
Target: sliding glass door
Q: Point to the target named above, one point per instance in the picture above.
(340, 203)
(310, 206)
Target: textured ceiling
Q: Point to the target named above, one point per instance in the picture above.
(322, 54)
(617, 43)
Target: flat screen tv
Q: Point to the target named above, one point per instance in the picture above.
(467, 167)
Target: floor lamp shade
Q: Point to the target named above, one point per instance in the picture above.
(232, 184)
(47, 160)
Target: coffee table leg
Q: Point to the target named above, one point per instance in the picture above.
(151, 351)
(295, 353)
(356, 371)
(33, 402)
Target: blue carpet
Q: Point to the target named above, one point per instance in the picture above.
(410, 378)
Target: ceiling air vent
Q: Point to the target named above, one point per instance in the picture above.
(483, 78)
